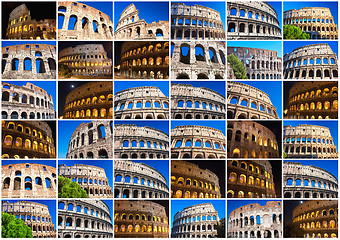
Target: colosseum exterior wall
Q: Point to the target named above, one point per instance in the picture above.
(308, 181)
(84, 219)
(194, 65)
(313, 100)
(256, 221)
(130, 26)
(308, 141)
(133, 142)
(35, 215)
(251, 103)
(145, 102)
(27, 139)
(250, 179)
(252, 20)
(150, 183)
(29, 61)
(91, 140)
(93, 100)
(203, 221)
(258, 63)
(196, 22)
(318, 22)
(86, 18)
(314, 61)
(140, 219)
(188, 180)
(189, 102)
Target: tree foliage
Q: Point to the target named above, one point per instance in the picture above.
(69, 189)
(237, 66)
(293, 32)
(221, 228)
(65, 71)
(14, 228)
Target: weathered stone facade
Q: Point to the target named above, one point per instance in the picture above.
(194, 65)
(190, 102)
(84, 219)
(35, 215)
(247, 102)
(132, 142)
(256, 221)
(89, 24)
(91, 140)
(202, 224)
(314, 61)
(29, 61)
(250, 179)
(140, 219)
(27, 139)
(252, 20)
(313, 100)
(141, 103)
(28, 180)
(188, 180)
(308, 181)
(196, 22)
(318, 22)
(130, 26)
(308, 141)
(138, 180)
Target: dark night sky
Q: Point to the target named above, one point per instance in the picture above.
(118, 49)
(288, 207)
(286, 87)
(107, 45)
(277, 173)
(52, 124)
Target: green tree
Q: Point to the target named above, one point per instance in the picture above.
(69, 189)
(13, 227)
(293, 32)
(237, 66)
(221, 228)
(65, 71)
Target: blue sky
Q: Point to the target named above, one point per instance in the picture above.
(149, 11)
(278, 8)
(217, 124)
(333, 6)
(179, 205)
(289, 46)
(161, 165)
(51, 163)
(11, 43)
(331, 124)
(269, 45)
(122, 85)
(110, 204)
(273, 89)
(218, 86)
(161, 125)
(51, 204)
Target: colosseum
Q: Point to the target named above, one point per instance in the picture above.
(86, 60)
(84, 219)
(317, 219)
(250, 179)
(140, 219)
(132, 142)
(198, 60)
(247, 102)
(208, 104)
(252, 20)
(27, 139)
(29, 61)
(26, 102)
(256, 221)
(28, 180)
(203, 221)
(247, 139)
(147, 102)
(131, 27)
(138, 180)
(144, 60)
(196, 22)
(91, 140)
(314, 61)
(307, 181)
(82, 22)
(93, 100)
(188, 180)
(35, 215)
(313, 100)
(308, 141)
(91, 178)
(259, 63)
(22, 26)
(317, 22)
